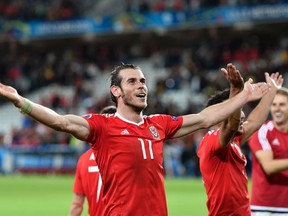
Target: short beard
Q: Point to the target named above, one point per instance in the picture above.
(137, 109)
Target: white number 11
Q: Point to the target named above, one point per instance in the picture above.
(143, 148)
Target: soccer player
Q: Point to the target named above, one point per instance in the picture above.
(129, 145)
(88, 182)
(269, 147)
(222, 163)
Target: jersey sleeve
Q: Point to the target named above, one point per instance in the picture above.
(173, 123)
(95, 122)
(259, 141)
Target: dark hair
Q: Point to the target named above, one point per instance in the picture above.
(115, 79)
(108, 109)
(218, 97)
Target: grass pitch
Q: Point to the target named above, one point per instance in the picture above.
(51, 195)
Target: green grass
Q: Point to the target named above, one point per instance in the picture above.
(52, 195)
(186, 197)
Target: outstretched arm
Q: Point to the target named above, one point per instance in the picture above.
(214, 114)
(75, 125)
(260, 113)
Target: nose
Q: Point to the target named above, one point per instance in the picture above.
(141, 85)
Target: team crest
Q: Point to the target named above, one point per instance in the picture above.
(154, 132)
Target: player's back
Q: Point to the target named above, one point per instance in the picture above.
(91, 182)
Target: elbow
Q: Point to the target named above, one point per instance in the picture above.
(59, 126)
(268, 171)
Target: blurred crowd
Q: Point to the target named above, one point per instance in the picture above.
(71, 9)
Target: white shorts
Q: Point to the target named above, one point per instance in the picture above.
(268, 214)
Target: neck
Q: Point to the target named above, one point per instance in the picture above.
(281, 127)
(131, 115)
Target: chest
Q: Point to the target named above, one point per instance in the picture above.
(279, 144)
(132, 144)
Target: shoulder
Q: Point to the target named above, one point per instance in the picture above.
(210, 136)
(266, 127)
(100, 116)
(86, 154)
(164, 117)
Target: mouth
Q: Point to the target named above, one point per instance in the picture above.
(141, 95)
(278, 114)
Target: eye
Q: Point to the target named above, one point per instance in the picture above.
(131, 81)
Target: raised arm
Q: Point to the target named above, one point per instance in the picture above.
(260, 113)
(231, 125)
(214, 114)
(75, 125)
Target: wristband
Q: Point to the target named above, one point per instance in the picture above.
(26, 108)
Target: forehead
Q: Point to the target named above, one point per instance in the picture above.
(131, 73)
(279, 98)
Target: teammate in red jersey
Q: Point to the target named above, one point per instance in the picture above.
(88, 182)
(222, 163)
(269, 147)
(129, 145)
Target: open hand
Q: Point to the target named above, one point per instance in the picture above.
(233, 76)
(275, 80)
(256, 90)
(9, 93)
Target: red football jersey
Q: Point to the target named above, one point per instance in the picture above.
(130, 158)
(272, 195)
(88, 182)
(224, 176)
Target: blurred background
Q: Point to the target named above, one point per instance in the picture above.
(60, 54)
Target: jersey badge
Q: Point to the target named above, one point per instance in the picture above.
(174, 118)
(88, 116)
(154, 132)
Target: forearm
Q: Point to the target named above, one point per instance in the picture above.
(257, 116)
(41, 114)
(261, 111)
(211, 115)
(77, 205)
(76, 209)
(221, 111)
(275, 166)
(233, 120)
(72, 124)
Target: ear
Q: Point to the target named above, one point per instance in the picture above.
(116, 91)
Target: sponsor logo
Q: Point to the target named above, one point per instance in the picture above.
(276, 142)
(124, 132)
